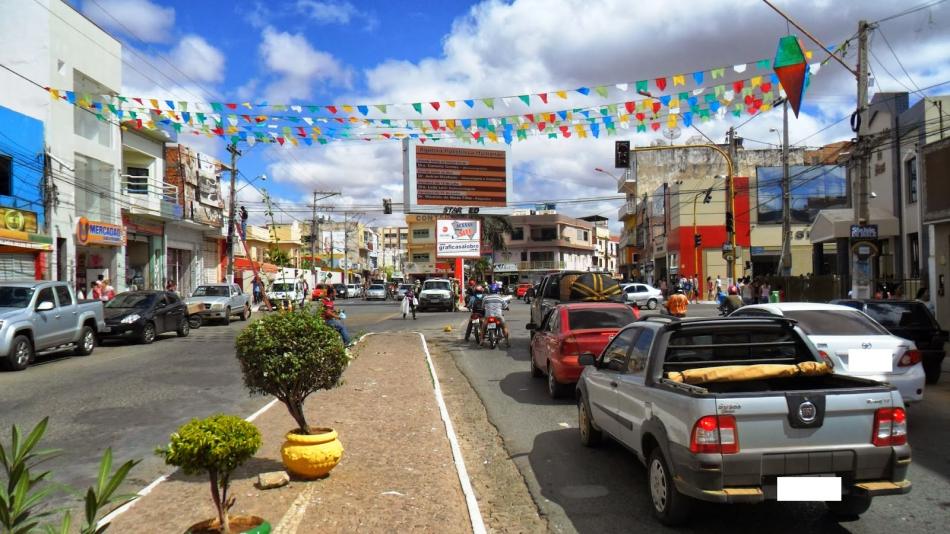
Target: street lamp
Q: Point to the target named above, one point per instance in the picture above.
(261, 177)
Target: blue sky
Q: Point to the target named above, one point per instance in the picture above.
(339, 51)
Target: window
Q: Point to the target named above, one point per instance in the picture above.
(65, 299)
(542, 255)
(6, 175)
(136, 180)
(85, 123)
(420, 233)
(517, 234)
(524, 255)
(46, 295)
(910, 170)
(94, 181)
(835, 323)
(641, 352)
(914, 245)
(421, 257)
(902, 315)
(615, 355)
(584, 235)
(614, 317)
(813, 188)
(544, 234)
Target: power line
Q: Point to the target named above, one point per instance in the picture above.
(909, 11)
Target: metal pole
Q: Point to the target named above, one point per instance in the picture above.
(862, 189)
(785, 262)
(232, 148)
(346, 262)
(699, 290)
(313, 240)
(731, 205)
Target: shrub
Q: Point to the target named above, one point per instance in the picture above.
(291, 355)
(216, 445)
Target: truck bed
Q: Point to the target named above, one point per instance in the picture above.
(823, 383)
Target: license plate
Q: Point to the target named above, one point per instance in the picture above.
(491, 326)
(809, 488)
(870, 361)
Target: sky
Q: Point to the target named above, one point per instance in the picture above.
(339, 51)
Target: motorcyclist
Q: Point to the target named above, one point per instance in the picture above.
(677, 304)
(732, 302)
(494, 306)
(475, 304)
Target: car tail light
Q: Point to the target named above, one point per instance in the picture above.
(827, 359)
(715, 434)
(569, 346)
(890, 427)
(911, 357)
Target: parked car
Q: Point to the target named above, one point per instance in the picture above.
(401, 291)
(849, 339)
(45, 316)
(376, 292)
(568, 331)
(144, 315)
(221, 301)
(286, 290)
(909, 319)
(354, 291)
(521, 290)
(642, 295)
(319, 291)
(436, 293)
(732, 439)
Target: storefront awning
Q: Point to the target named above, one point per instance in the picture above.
(834, 224)
(25, 240)
(244, 264)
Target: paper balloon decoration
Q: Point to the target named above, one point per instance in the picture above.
(791, 69)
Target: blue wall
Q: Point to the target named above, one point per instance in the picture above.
(21, 137)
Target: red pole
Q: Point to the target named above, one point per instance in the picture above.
(460, 276)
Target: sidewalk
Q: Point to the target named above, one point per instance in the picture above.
(397, 472)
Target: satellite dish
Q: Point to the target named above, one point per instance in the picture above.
(672, 133)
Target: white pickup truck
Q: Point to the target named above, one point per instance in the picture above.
(38, 316)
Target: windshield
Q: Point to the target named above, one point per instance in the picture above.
(132, 300)
(376, 287)
(600, 318)
(15, 297)
(282, 287)
(438, 285)
(404, 287)
(901, 314)
(210, 291)
(835, 323)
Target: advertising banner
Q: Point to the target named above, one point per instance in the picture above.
(99, 233)
(17, 220)
(458, 238)
(454, 180)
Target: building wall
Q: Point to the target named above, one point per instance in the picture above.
(22, 141)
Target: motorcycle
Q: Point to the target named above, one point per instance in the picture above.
(492, 331)
(474, 326)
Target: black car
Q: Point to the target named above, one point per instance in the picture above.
(909, 319)
(143, 315)
(339, 290)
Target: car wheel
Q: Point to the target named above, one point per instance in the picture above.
(184, 327)
(590, 436)
(21, 355)
(849, 507)
(227, 316)
(535, 372)
(87, 342)
(669, 505)
(556, 390)
(194, 321)
(246, 312)
(651, 304)
(148, 333)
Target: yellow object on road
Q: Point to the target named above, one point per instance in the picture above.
(738, 373)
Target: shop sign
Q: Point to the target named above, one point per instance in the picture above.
(99, 233)
(458, 239)
(864, 232)
(207, 215)
(140, 226)
(17, 220)
(506, 268)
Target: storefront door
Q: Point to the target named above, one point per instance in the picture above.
(179, 270)
(17, 266)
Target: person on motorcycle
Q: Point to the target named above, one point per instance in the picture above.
(494, 306)
(677, 303)
(474, 303)
(732, 302)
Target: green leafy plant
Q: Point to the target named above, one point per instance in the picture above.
(23, 499)
(216, 445)
(290, 356)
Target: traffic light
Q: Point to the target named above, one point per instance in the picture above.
(622, 154)
(698, 240)
(387, 206)
(708, 197)
(730, 227)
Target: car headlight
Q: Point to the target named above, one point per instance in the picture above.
(217, 306)
(129, 319)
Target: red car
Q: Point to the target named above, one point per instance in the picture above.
(522, 290)
(570, 330)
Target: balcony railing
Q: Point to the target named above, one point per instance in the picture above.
(151, 195)
(628, 209)
(540, 265)
(627, 183)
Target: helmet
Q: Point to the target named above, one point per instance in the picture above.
(679, 290)
(494, 290)
(733, 290)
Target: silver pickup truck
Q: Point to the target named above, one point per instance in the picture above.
(741, 436)
(45, 316)
(221, 301)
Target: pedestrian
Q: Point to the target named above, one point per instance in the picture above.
(764, 292)
(108, 292)
(923, 295)
(80, 294)
(96, 290)
(256, 289)
(171, 286)
(409, 303)
(718, 284)
(747, 293)
(333, 318)
(709, 288)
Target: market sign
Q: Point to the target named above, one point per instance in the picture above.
(864, 232)
(99, 233)
(135, 225)
(445, 179)
(17, 220)
(458, 238)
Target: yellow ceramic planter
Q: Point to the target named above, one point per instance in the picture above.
(312, 456)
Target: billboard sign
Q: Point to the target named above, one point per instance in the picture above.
(457, 238)
(456, 180)
(18, 220)
(99, 233)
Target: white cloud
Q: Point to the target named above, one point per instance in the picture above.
(298, 66)
(140, 19)
(198, 60)
(328, 11)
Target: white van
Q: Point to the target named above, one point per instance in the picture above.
(286, 290)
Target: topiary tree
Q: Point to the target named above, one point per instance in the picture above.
(216, 445)
(291, 355)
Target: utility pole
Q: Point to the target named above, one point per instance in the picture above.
(785, 261)
(313, 240)
(731, 206)
(862, 189)
(346, 262)
(232, 148)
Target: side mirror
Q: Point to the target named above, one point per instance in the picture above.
(586, 359)
(531, 326)
(46, 305)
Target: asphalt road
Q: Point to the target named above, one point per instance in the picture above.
(605, 489)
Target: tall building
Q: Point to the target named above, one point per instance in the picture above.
(545, 241)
